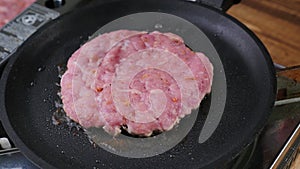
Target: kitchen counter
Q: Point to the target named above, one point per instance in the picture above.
(276, 23)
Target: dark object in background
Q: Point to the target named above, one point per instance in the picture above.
(54, 3)
(223, 5)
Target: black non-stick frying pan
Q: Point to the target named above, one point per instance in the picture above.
(29, 90)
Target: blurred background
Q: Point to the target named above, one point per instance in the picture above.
(277, 24)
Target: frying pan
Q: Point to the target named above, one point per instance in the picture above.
(29, 90)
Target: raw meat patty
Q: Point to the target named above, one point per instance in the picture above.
(78, 96)
(142, 82)
(149, 81)
(9, 9)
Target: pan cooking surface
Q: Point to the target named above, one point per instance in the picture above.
(197, 41)
(29, 92)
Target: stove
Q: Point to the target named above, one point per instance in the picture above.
(276, 147)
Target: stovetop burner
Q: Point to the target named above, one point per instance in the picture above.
(261, 154)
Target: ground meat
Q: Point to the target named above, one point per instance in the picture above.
(78, 95)
(9, 9)
(143, 82)
(169, 55)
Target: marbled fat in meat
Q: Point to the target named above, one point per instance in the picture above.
(78, 95)
(142, 82)
(158, 49)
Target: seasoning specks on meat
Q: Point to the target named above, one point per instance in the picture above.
(144, 81)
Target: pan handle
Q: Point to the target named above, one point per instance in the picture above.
(222, 5)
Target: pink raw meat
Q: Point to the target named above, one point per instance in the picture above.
(168, 54)
(142, 82)
(76, 84)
